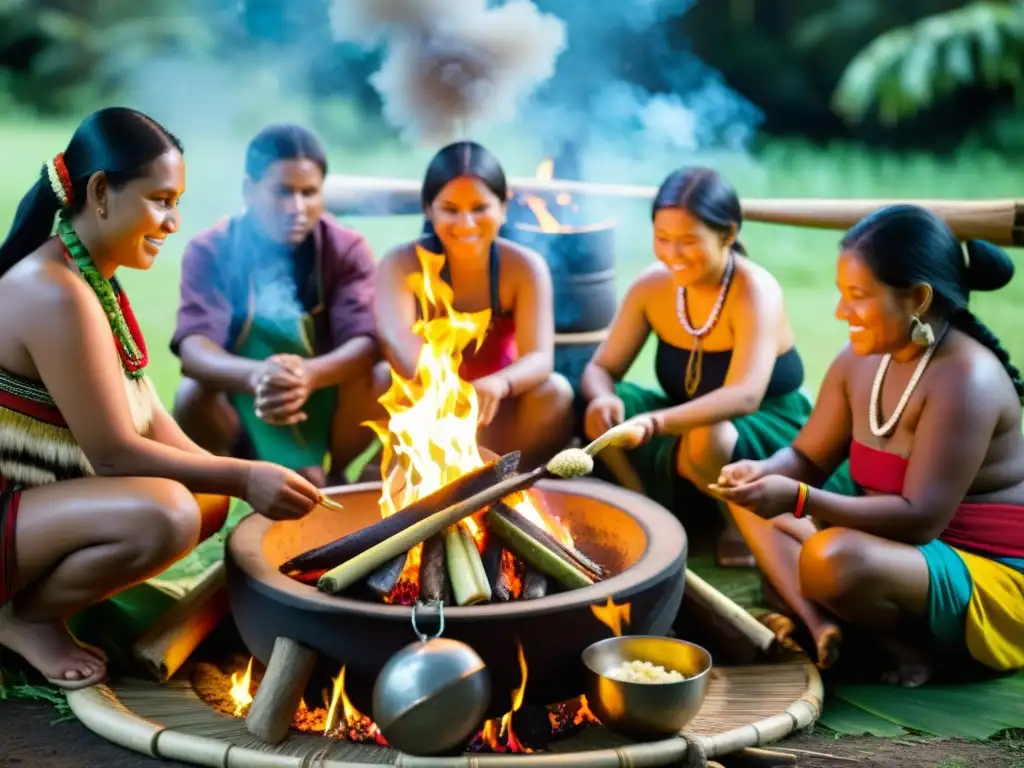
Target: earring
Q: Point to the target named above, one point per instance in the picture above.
(921, 333)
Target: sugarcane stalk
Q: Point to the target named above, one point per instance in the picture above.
(595, 571)
(465, 568)
(536, 552)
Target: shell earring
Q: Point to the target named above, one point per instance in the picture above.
(921, 333)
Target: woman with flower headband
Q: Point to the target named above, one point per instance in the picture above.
(730, 375)
(99, 488)
(928, 554)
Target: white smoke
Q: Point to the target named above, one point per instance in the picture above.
(451, 65)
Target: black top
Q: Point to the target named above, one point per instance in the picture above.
(670, 368)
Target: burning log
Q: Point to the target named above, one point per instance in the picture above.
(358, 542)
(537, 547)
(465, 568)
(500, 566)
(383, 581)
(433, 574)
(535, 584)
(595, 571)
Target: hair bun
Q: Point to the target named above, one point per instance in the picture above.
(989, 268)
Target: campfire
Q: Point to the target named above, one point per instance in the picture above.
(524, 728)
(512, 550)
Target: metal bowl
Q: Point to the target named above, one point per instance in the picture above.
(646, 710)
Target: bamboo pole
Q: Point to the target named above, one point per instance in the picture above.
(998, 221)
(277, 698)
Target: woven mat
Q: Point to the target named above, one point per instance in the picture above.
(745, 707)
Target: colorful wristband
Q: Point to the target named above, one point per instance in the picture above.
(801, 500)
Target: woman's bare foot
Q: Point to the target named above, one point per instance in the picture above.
(51, 649)
(783, 628)
(912, 667)
(827, 639)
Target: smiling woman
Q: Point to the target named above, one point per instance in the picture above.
(99, 489)
(523, 404)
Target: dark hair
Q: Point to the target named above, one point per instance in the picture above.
(282, 141)
(705, 194)
(117, 141)
(463, 158)
(904, 245)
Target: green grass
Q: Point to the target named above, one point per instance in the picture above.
(802, 259)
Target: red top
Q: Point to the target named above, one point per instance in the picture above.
(995, 530)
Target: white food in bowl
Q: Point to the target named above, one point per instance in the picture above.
(643, 672)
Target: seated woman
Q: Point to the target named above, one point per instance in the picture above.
(98, 485)
(275, 326)
(730, 375)
(524, 404)
(928, 550)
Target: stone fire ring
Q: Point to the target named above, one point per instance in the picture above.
(745, 707)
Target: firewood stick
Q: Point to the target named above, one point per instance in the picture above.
(731, 612)
(535, 584)
(491, 557)
(339, 551)
(277, 698)
(536, 552)
(465, 569)
(382, 581)
(172, 638)
(595, 571)
(433, 570)
(999, 221)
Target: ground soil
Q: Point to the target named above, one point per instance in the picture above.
(29, 738)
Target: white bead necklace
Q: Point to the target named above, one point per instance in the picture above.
(876, 390)
(696, 359)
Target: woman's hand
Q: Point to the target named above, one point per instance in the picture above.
(642, 428)
(767, 496)
(282, 386)
(603, 413)
(278, 493)
(490, 391)
(741, 472)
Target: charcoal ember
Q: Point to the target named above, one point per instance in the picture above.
(532, 726)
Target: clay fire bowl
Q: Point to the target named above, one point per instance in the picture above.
(616, 527)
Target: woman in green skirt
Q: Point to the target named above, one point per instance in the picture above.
(731, 379)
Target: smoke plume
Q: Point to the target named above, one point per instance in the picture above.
(448, 65)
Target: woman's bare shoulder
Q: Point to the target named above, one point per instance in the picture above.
(40, 284)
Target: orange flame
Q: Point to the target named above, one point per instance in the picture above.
(612, 615)
(545, 219)
(344, 720)
(241, 694)
(501, 737)
(429, 438)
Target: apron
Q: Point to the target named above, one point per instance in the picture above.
(289, 331)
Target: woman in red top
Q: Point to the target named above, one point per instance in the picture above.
(929, 553)
(523, 404)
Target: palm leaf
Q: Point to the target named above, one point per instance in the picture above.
(908, 69)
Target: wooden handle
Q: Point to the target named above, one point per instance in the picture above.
(998, 221)
(172, 638)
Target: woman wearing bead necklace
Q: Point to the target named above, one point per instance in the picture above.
(927, 406)
(730, 375)
(98, 485)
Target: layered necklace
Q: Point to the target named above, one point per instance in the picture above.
(696, 359)
(131, 346)
(876, 389)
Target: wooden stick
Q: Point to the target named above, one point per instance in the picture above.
(349, 572)
(507, 524)
(433, 570)
(998, 221)
(172, 638)
(593, 570)
(383, 581)
(337, 552)
(277, 699)
(737, 618)
(754, 757)
(491, 558)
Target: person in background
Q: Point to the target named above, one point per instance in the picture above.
(275, 328)
(524, 404)
(729, 372)
(99, 488)
(926, 553)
